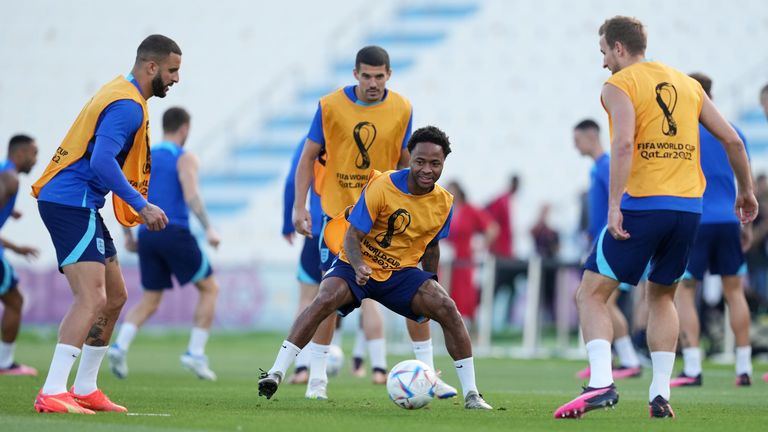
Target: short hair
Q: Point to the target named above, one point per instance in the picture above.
(18, 141)
(627, 30)
(705, 81)
(174, 118)
(460, 194)
(587, 124)
(430, 134)
(764, 90)
(156, 48)
(373, 56)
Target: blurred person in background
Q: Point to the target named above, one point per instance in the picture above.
(172, 252)
(467, 221)
(501, 210)
(22, 156)
(718, 248)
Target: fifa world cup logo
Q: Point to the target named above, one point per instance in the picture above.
(666, 97)
(396, 224)
(364, 134)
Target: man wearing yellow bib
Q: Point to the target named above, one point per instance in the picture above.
(106, 149)
(356, 129)
(654, 205)
(396, 223)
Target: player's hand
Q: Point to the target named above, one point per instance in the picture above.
(289, 237)
(746, 207)
(131, 245)
(16, 214)
(28, 252)
(362, 274)
(302, 221)
(213, 237)
(616, 225)
(154, 217)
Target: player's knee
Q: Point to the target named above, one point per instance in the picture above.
(115, 302)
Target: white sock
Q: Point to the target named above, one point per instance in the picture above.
(744, 360)
(423, 352)
(302, 360)
(197, 340)
(88, 371)
(318, 362)
(336, 340)
(377, 348)
(359, 349)
(663, 363)
(64, 357)
(599, 354)
(692, 361)
(626, 352)
(6, 354)
(285, 357)
(125, 336)
(465, 368)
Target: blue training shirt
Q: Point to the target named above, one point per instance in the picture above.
(720, 194)
(86, 182)
(7, 209)
(164, 186)
(598, 195)
(289, 196)
(360, 217)
(317, 135)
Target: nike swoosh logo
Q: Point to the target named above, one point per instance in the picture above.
(459, 367)
(285, 347)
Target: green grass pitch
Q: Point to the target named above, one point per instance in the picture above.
(164, 397)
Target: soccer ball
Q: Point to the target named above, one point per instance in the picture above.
(411, 384)
(335, 360)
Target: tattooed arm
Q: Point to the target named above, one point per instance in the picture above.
(355, 256)
(188, 167)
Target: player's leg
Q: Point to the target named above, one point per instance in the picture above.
(307, 292)
(685, 303)
(733, 290)
(194, 358)
(629, 364)
(12, 301)
(433, 302)
(85, 390)
(422, 348)
(335, 292)
(358, 351)
(640, 321)
(373, 326)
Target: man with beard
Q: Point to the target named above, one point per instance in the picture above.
(106, 149)
(398, 221)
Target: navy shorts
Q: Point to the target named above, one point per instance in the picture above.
(661, 237)
(717, 248)
(309, 265)
(8, 279)
(172, 251)
(78, 233)
(396, 293)
(326, 257)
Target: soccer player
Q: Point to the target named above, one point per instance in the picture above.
(396, 223)
(309, 273)
(174, 250)
(106, 149)
(719, 248)
(586, 138)
(22, 155)
(356, 129)
(764, 103)
(654, 204)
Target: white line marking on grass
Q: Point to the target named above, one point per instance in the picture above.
(148, 414)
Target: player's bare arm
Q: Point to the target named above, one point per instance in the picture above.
(710, 117)
(623, 114)
(302, 221)
(431, 258)
(189, 167)
(355, 256)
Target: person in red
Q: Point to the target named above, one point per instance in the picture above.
(467, 221)
(500, 211)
